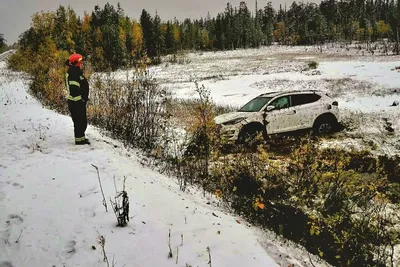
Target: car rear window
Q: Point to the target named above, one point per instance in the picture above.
(302, 99)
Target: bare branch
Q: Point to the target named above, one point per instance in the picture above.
(115, 186)
(16, 241)
(209, 256)
(177, 255)
(169, 245)
(101, 187)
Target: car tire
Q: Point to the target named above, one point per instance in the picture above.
(324, 125)
(250, 132)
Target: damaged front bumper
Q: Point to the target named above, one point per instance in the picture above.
(228, 133)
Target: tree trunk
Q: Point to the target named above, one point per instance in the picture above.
(397, 40)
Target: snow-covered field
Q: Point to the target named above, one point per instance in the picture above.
(365, 86)
(51, 210)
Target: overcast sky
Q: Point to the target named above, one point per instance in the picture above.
(15, 15)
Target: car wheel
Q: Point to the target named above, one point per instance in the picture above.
(324, 126)
(249, 133)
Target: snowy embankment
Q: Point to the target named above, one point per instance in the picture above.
(51, 210)
(6, 54)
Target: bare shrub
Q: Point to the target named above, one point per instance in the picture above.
(133, 111)
(34, 144)
(203, 140)
(181, 110)
(36, 141)
(102, 242)
(120, 206)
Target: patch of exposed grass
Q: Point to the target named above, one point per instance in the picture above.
(313, 65)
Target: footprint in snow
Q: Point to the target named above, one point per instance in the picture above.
(2, 195)
(5, 235)
(69, 249)
(17, 185)
(14, 219)
(6, 264)
(88, 212)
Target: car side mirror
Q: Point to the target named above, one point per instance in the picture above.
(269, 108)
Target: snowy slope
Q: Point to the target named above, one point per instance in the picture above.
(50, 200)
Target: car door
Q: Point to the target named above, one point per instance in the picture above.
(280, 119)
(306, 110)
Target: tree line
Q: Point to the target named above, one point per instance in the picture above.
(112, 40)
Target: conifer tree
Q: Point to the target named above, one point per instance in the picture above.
(158, 42)
(2, 40)
(147, 26)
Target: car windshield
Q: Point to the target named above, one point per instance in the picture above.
(255, 104)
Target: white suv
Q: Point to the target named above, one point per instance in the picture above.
(281, 112)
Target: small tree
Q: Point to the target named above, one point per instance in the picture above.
(204, 139)
(2, 40)
(280, 34)
(3, 45)
(383, 29)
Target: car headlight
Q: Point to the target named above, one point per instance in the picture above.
(234, 121)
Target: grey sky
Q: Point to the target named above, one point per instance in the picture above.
(15, 15)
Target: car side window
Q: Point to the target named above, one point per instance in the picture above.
(302, 99)
(281, 103)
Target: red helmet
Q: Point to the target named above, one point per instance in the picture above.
(75, 59)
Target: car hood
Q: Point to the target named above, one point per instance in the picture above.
(230, 116)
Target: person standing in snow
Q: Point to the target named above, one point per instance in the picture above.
(78, 95)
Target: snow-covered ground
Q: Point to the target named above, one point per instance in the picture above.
(235, 80)
(51, 210)
(365, 86)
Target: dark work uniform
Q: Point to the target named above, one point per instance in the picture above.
(78, 94)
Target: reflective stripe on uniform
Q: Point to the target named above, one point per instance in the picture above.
(69, 97)
(74, 83)
(66, 82)
(79, 139)
(76, 98)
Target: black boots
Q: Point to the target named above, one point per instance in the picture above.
(83, 142)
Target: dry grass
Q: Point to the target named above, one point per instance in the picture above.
(182, 111)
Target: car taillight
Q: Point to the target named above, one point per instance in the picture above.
(335, 103)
